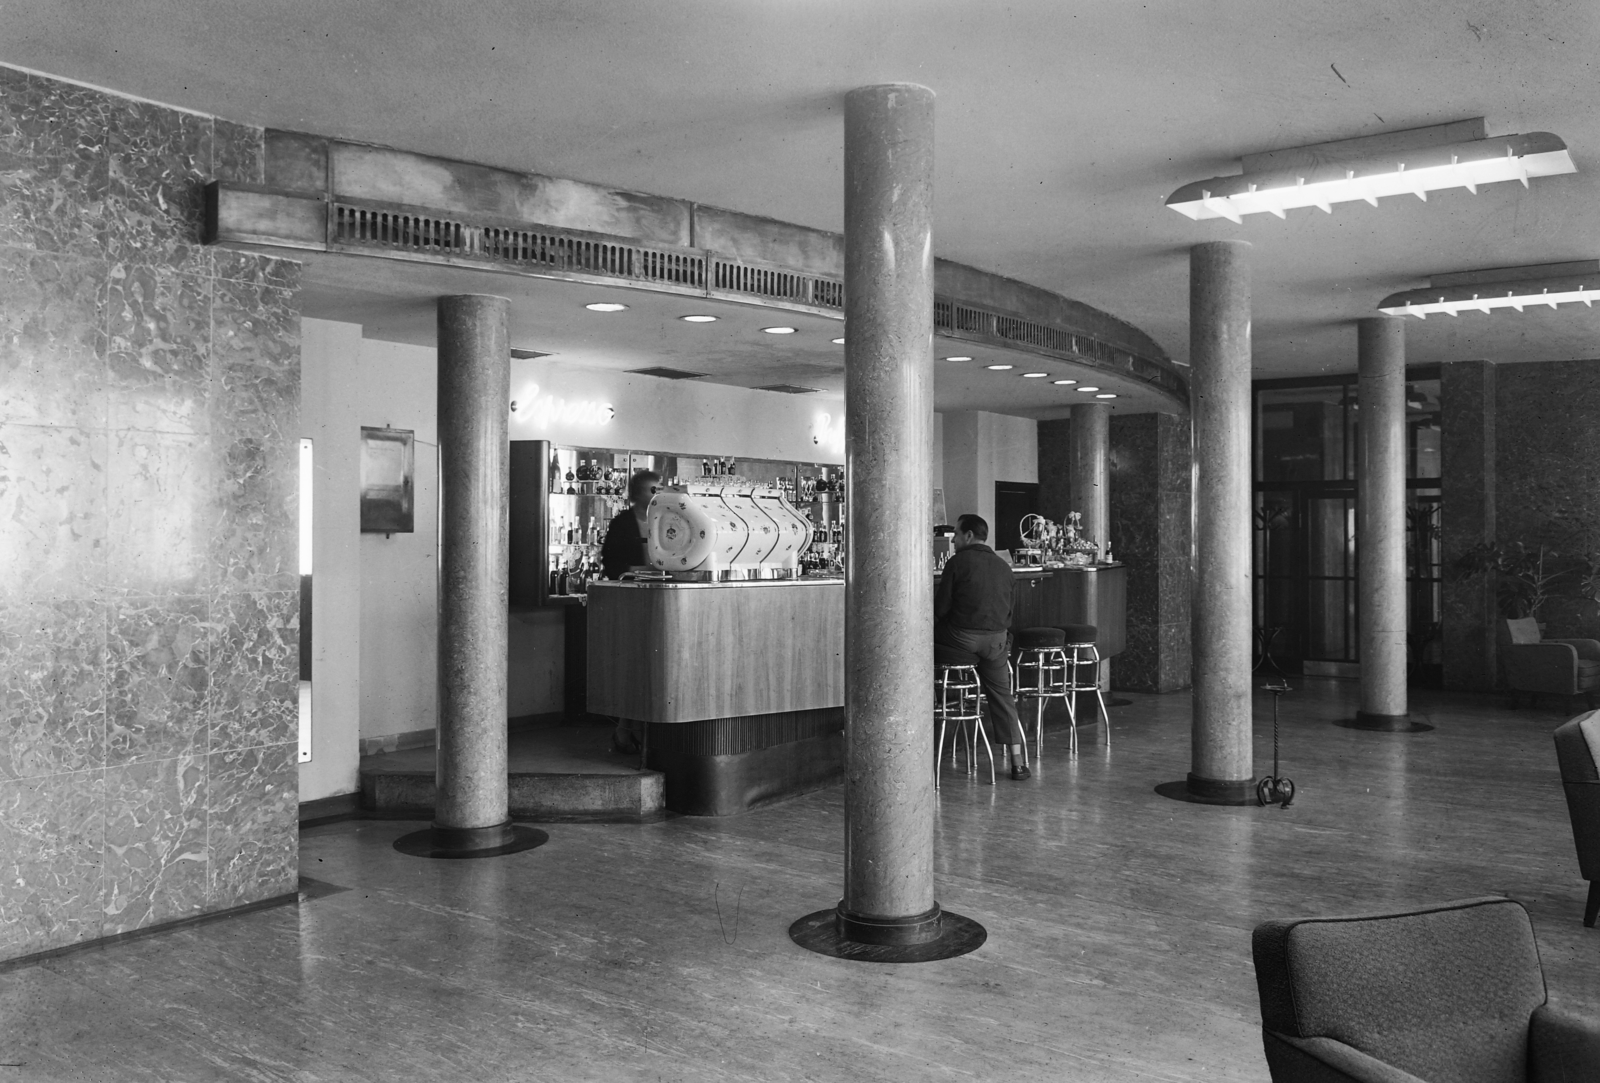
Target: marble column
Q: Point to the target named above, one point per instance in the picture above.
(1222, 765)
(889, 795)
(1381, 521)
(474, 480)
(1091, 479)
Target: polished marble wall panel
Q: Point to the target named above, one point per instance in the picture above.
(1150, 534)
(149, 425)
(1055, 468)
(1467, 516)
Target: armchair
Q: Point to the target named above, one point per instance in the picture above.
(1452, 993)
(1561, 667)
(1578, 750)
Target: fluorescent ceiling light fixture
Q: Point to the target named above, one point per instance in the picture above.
(1061, 383)
(1033, 375)
(1545, 284)
(999, 368)
(1105, 395)
(838, 342)
(1086, 389)
(605, 306)
(1413, 162)
(958, 357)
(698, 319)
(778, 330)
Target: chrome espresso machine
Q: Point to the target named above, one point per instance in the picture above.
(726, 528)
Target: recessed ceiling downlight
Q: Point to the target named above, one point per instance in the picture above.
(698, 318)
(778, 330)
(1105, 395)
(1034, 375)
(838, 342)
(999, 368)
(958, 357)
(1062, 383)
(606, 306)
(1088, 389)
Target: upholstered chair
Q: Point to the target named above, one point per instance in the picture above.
(1578, 750)
(1559, 667)
(1452, 993)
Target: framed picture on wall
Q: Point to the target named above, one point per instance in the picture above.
(388, 481)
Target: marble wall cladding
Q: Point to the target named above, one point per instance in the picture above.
(1055, 470)
(253, 823)
(1467, 516)
(149, 425)
(52, 688)
(52, 842)
(156, 860)
(52, 327)
(1149, 463)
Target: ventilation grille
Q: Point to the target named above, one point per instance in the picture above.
(790, 389)
(526, 355)
(979, 325)
(731, 276)
(666, 373)
(550, 251)
(532, 249)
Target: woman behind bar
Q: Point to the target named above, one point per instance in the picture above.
(972, 612)
(624, 546)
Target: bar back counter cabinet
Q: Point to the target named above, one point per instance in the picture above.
(740, 684)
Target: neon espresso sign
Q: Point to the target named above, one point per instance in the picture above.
(546, 411)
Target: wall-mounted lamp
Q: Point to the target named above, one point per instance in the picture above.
(1548, 284)
(1412, 162)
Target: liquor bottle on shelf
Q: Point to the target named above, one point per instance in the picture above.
(555, 471)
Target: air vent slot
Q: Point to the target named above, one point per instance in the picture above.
(526, 355)
(789, 389)
(669, 373)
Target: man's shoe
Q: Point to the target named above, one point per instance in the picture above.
(1019, 772)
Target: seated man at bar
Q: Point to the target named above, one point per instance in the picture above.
(624, 546)
(972, 612)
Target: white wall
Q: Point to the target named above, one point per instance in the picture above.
(399, 572)
(562, 403)
(330, 376)
(981, 448)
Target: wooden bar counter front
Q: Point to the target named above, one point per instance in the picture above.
(741, 684)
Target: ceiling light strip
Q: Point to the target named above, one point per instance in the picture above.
(1416, 173)
(1487, 297)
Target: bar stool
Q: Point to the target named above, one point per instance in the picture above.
(1082, 654)
(959, 699)
(1041, 673)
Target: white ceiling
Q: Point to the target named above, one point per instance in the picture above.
(1062, 126)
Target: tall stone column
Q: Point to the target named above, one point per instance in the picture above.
(1381, 521)
(1091, 477)
(1222, 765)
(888, 287)
(474, 480)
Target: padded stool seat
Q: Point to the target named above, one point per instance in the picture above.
(1024, 639)
(953, 656)
(1588, 675)
(1080, 633)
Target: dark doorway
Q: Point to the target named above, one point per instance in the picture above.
(1012, 501)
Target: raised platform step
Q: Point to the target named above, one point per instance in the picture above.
(557, 774)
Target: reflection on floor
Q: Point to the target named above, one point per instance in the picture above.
(1118, 926)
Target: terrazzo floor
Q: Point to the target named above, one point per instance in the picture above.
(1119, 927)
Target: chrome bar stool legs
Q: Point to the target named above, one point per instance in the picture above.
(1083, 658)
(1041, 674)
(958, 705)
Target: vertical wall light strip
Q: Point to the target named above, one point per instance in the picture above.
(305, 599)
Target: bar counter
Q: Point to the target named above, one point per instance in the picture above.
(738, 687)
